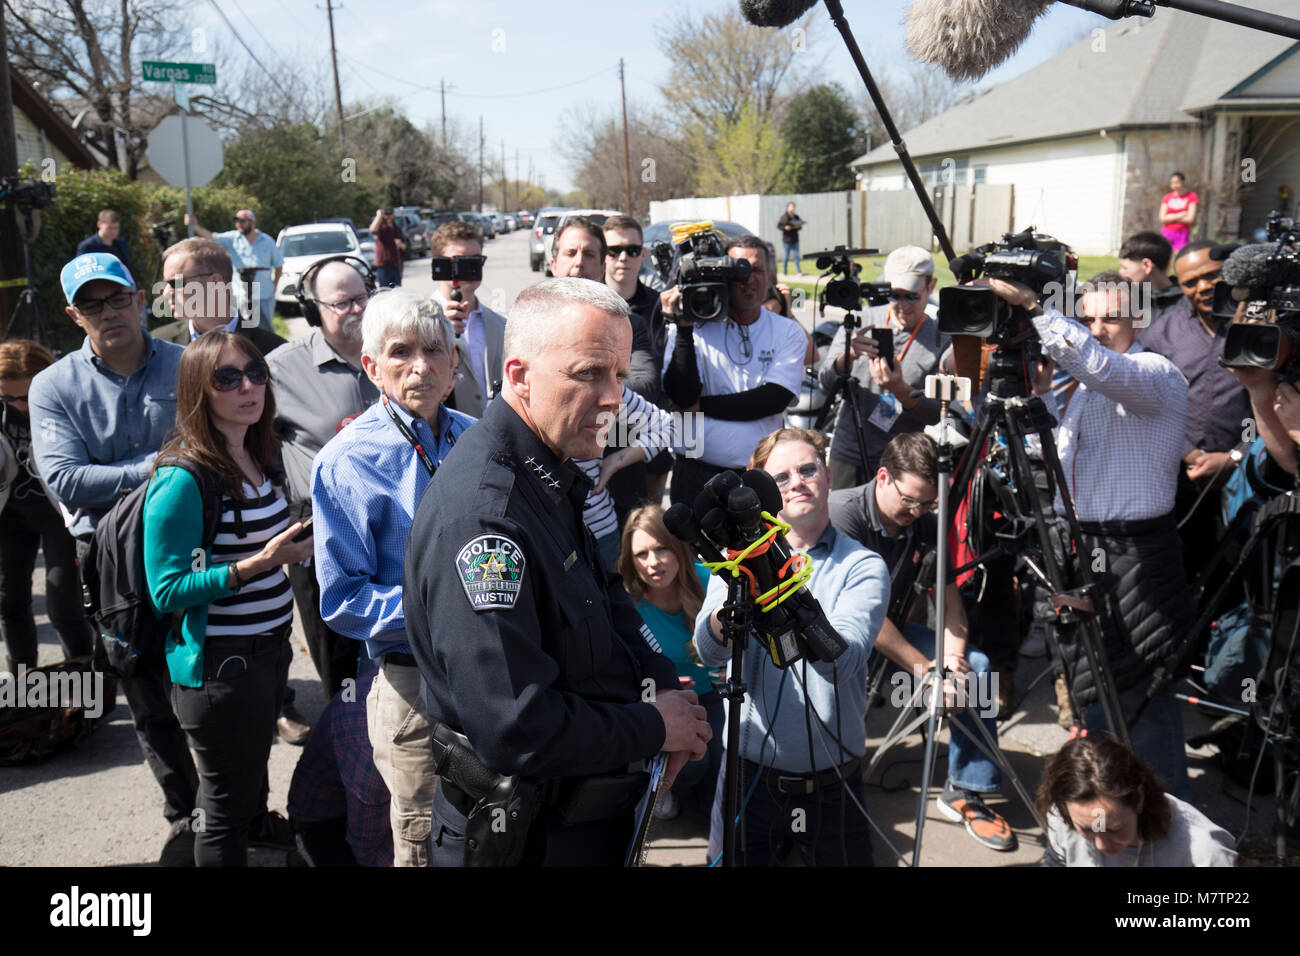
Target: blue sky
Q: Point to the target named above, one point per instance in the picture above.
(506, 58)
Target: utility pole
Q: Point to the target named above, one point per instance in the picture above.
(627, 167)
(338, 95)
(516, 175)
(442, 87)
(480, 162)
(504, 205)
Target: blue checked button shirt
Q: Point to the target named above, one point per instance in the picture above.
(95, 434)
(365, 486)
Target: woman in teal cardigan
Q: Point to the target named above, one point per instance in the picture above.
(229, 662)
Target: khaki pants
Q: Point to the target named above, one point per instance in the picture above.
(401, 736)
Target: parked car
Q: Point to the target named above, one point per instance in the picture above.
(525, 219)
(544, 224)
(436, 219)
(303, 245)
(413, 231)
(367, 242)
(598, 216)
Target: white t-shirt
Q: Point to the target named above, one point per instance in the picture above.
(1193, 840)
(734, 358)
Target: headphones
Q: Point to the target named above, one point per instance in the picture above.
(310, 310)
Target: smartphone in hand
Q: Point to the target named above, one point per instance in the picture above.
(885, 343)
(304, 532)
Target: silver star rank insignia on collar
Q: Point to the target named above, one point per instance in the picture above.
(542, 473)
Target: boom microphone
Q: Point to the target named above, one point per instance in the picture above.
(1250, 268)
(774, 13)
(969, 37)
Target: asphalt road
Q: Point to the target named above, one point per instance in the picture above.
(98, 805)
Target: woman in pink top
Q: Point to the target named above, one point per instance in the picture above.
(1178, 212)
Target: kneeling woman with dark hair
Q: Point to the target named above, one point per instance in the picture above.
(229, 662)
(1104, 807)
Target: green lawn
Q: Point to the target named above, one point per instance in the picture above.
(872, 266)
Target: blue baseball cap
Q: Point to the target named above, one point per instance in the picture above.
(92, 266)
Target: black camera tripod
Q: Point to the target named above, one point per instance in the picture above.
(1010, 413)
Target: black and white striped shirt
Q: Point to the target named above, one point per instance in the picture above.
(264, 602)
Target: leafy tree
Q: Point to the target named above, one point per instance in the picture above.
(747, 155)
(823, 133)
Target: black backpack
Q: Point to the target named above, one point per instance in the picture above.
(131, 636)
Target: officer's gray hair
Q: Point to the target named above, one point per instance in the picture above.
(398, 313)
(530, 327)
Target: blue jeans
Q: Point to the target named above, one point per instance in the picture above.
(1158, 738)
(388, 277)
(791, 249)
(968, 767)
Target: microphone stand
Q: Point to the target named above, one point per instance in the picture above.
(735, 617)
(922, 191)
(1215, 9)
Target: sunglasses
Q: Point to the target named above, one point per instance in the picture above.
(228, 378)
(632, 251)
(895, 296)
(117, 301)
(807, 471)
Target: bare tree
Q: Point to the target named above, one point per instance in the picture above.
(93, 48)
(720, 65)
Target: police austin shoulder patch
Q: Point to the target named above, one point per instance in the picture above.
(491, 569)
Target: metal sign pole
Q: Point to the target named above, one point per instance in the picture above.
(185, 149)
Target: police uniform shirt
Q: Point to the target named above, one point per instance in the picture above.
(523, 645)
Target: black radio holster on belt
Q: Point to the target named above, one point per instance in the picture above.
(496, 827)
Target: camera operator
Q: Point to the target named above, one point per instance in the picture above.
(739, 372)
(796, 773)
(886, 406)
(1120, 438)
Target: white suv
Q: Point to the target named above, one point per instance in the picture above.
(304, 245)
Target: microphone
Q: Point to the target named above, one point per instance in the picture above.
(682, 524)
(970, 37)
(1252, 267)
(774, 13)
(769, 495)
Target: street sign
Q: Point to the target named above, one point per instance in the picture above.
(166, 151)
(160, 71)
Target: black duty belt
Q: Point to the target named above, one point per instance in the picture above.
(394, 657)
(802, 784)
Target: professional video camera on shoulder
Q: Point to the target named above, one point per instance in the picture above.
(698, 264)
(1266, 276)
(846, 292)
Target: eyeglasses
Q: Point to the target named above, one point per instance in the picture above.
(343, 306)
(228, 378)
(895, 296)
(116, 302)
(807, 471)
(632, 251)
(913, 504)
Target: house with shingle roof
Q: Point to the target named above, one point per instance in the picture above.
(1082, 145)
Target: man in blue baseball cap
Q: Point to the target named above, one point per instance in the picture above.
(98, 417)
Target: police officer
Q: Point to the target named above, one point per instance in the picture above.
(547, 692)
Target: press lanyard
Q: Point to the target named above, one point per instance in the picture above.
(409, 435)
(903, 354)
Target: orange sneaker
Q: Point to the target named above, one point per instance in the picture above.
(985, 826)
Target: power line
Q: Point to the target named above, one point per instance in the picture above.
(221, 13)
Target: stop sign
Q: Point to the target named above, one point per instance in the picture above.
(167, 157)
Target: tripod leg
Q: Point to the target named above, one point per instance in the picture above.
(989, 747)
(1089, 630)
(931, 754)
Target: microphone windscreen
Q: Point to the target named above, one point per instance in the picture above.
(714, 493)
(969, 37)
(774, 13)
(681, 523)
(769, 495)
(1249, 268)
(743, 507)
(714, 524)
